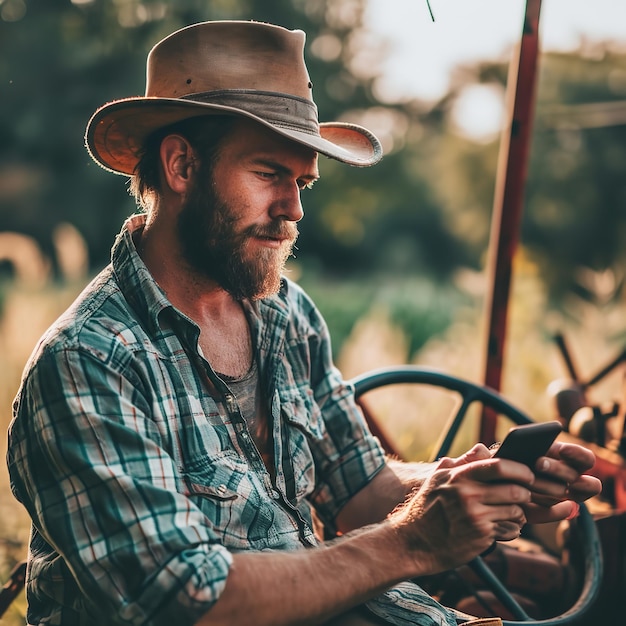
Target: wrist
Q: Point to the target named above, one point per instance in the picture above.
(413, 550)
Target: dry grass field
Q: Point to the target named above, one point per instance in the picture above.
(26, 313)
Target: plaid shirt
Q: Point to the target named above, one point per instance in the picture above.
(138, 489)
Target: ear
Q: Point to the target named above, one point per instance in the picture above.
(177, 162)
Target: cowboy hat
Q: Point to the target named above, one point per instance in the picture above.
(248, 69)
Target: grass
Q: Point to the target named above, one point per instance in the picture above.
(26, 313)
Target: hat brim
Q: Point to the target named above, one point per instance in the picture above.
(117, 131)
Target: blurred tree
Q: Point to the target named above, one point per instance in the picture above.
(425, 209)
(577, 191)
(574, 222)
(60, 60)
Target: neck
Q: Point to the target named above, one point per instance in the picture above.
(224, 332)
(197, 295)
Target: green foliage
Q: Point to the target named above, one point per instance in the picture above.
(574, 219)
(419, 308)
(64, 59)
(576, 193)
(424, 210)
(384, 219)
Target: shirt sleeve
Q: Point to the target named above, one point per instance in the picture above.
(89, 465)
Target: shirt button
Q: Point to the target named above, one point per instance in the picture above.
(221, 489)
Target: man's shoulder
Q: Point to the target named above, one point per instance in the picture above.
(96, 315)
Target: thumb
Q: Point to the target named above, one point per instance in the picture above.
(478, 452)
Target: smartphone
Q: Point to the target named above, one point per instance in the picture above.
(528, 442)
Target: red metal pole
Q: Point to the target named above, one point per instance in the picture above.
(508, 200)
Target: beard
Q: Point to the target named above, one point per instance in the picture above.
(215, 249)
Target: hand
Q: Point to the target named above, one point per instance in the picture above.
(462, 508)
(505, 530)
(476, 453)
(561, 483)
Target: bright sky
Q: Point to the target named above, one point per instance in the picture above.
(424, 52)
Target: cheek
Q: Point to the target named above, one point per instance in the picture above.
(247, 198)
(248, 207)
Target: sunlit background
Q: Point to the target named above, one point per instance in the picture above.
(424, 54)
(394, 256)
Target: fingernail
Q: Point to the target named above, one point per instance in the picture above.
(545, 465)
(574, 511)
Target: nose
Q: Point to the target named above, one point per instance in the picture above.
(289, 205)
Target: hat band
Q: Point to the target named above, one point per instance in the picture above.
(278, 109)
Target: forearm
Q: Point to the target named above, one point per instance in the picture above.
(454, 515)
(311, 586)
(389, 488)
(411, 475)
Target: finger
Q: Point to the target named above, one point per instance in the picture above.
(584, 488)
(507, 514)
(476, 453)
(537, 514)
(507, 531)
(559, 479)
(544, 500)
(555, 489)
(446, 461)
(581, 489)
(546, 493)
(498, 470)
(506, 493)
(501, 523)
(580, 458)
(556, 470)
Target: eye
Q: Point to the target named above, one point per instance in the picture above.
(266, 175)
(302, 185)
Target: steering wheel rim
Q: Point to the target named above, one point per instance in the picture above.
(471, 392)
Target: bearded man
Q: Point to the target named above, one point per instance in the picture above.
(179, 426)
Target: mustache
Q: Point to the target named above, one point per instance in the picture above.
(274, 230)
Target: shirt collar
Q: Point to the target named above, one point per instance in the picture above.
(148, 299)
(136, 283)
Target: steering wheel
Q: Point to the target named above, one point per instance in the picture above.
(470, 393)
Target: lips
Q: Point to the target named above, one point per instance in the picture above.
(275, 242)
(279, 239)
(277, 234)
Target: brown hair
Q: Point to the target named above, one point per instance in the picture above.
(205, 134)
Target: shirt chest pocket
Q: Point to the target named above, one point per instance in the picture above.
(222, 488)
(304, 437)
